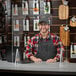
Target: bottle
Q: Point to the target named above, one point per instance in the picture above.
(14, 24)
(25, 7)
(2, 22)
(25, 40)
(12, 9)
(3, 54)
(6, 8)
(49, 24)
(35, 7)
(36, 25)
(16, 41)
(36, 21)
(71, 49)
(15, 9)
(0, 39)
(24, 25)
(17, 56)
(47, 7)
(73, 52)
(27, 24)
(17, 25)
(75, 48)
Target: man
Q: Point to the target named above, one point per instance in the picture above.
(44, 46)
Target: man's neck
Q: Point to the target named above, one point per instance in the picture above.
(44, 35)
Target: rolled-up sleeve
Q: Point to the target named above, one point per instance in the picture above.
(60, 48)
(29, 47)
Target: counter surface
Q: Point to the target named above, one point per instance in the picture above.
(42, 68)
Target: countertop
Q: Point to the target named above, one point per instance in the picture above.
(39, 68)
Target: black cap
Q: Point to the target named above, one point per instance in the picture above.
(44, 21)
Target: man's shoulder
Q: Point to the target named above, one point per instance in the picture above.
(54, 35)
(35, 36)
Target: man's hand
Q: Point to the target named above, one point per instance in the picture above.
(36, 60)
(51, 60)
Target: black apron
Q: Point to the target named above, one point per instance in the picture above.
(46, 49)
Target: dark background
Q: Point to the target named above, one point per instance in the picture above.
(55, 23)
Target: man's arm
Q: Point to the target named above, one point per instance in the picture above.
(33, 58)
(60, 48)
(29, 50)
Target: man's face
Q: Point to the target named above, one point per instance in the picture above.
(44, 28)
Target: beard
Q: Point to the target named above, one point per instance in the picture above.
(44, 30)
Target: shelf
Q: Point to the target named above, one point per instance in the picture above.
(56, 22)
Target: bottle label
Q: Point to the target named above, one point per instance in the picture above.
(16, 41)
(16, 25)
(47, 8)
(25, 8)
(25, 40)
(36, 28)
(14, 9)
(25, 25)
(73, 50)
(35, 7)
